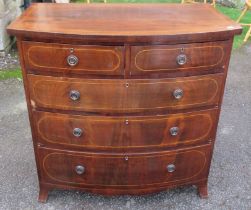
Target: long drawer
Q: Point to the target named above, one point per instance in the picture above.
(125, 132)
(176, 58)
(77, 59)
(115, 170)
(118, 95)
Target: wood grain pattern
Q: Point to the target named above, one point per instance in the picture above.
(125, 132)
(124, 95)
(140, 22)
(103, 60)
(163, 58)
(119, 170)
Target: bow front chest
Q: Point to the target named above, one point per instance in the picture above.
(123, 98)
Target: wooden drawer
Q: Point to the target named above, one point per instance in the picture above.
(124, 95)
(115, 170)
(103, 60)
(125, 132)
(164, 58)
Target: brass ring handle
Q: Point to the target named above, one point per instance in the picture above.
(77, 132)
(178, 93)
(181, 59)
(80, 169)
(170, 168)
(72, 60)
(74, 95)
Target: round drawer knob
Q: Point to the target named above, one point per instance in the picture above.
(178, 93)
(174, 131)
(72, 60)
(74, 95)
(80, 169)
(181, 59)
(77, 132)
(170, 168)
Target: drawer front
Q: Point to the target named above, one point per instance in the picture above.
(121, 132)
(183, 57)
(92, 169)
(78, 59)
(124, 95)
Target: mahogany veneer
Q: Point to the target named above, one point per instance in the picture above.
(123, 95)
(126, 101)
(118, 132)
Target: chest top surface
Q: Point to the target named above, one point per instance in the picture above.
(124, 21)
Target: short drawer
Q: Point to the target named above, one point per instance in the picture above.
(125, 132)
(176, 58)
(74, 59)
(115, 170)
(94, 95)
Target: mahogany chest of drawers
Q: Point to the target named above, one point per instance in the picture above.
(123, 98)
